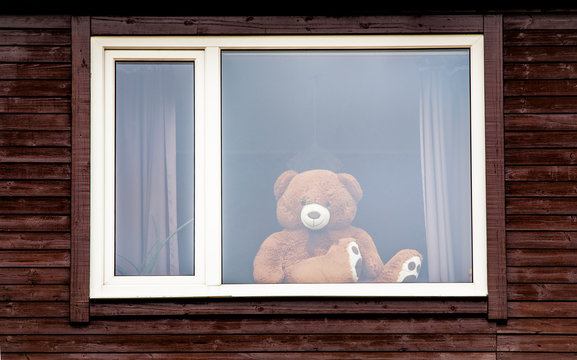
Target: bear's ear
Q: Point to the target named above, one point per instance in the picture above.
(352, 185)
(282, 183)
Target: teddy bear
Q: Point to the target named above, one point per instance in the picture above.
(318, 243)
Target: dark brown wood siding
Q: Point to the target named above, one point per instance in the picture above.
(541, 142)
(42, 224)
(35, 139)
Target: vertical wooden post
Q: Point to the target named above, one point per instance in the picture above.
(495, 171)
(80, 211)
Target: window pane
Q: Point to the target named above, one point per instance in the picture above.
(154, 168)
(397, 121)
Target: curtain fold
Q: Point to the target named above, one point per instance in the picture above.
(445, 158)
(146, 174)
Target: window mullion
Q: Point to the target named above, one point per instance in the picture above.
(212, 167)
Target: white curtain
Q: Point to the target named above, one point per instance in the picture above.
(445, 159)
(146, 175)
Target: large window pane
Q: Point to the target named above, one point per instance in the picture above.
(154, 168)
(398, 121)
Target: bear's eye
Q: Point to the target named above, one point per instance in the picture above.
(303, 202)
(328, 204)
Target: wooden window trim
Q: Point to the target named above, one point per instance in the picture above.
(80, 177)
(495, 169)
(494, 306)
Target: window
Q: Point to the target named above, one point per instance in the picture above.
(196, 140)
(154, 175)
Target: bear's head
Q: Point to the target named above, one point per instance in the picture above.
(316, 199)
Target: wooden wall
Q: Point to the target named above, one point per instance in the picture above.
(540, 105)
(540, 55)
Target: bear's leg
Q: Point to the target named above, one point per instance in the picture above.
(403, 267)
(341, 264)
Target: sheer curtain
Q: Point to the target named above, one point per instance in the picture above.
(445, 159)
(146, 189)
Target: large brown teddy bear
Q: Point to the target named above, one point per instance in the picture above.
(318, 244)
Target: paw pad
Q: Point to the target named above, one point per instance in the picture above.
(410, 270)
(355, 259)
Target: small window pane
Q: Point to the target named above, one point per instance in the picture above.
(154, 168)
(398, 121)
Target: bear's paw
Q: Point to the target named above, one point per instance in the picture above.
(410, 270)
(355, 260)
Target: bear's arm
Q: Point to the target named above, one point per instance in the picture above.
(268, 262)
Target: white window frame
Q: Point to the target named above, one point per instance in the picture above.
(205, 52)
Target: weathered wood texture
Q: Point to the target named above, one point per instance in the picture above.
(279, 25)
(35, 169)
(495, 194)
(80, 187)
(541, 142)
(42, 290)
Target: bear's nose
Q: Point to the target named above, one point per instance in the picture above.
(314, 215)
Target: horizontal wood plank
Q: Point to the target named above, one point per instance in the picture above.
(314, 355)
(534, 205)
(14, 240)
(540, 309)
(540, 274)
(513, 54)
(542, 222)
(36, 309)
(31, 122)
(33, 275)
(35, 222)
(35, 88)
(542, 292)
(540, 105)
(541, 157)
(251, 325)
(35, 21)
(542, 257)
(541, 122)
(559, 70)
(537, 189)
(31, 205)
(555, 87)
(39, 258)
(538, 326)
(542, 240)
(540, 37)
(35, 171)
(549, 139)
(540, 343)
(538, 21)
(135, 25)
(535, 356)
(286, 307)
(34, 154)
(34, 293)
(35, 71)
(35, 105)
(540, 172)
(252, 343)
(36, 54)
(34, 188)
(34, 36)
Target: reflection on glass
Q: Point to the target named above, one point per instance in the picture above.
(154, 168)
(398, 121)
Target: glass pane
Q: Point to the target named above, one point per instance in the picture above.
(154, 168)
(396, 121)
